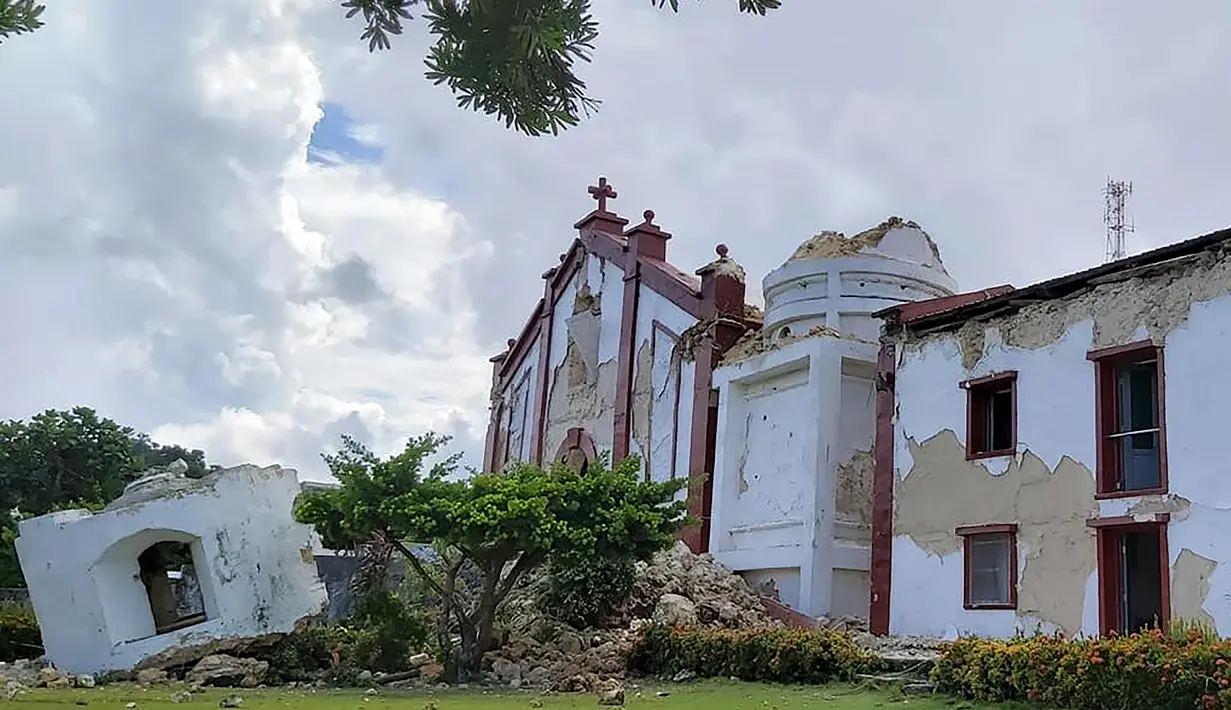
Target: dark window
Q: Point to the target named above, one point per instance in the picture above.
(991, 415)
(1130, 421)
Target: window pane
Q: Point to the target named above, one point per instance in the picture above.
(1000, 420)
(1140, 461)
(989, 569)
(1138, 396)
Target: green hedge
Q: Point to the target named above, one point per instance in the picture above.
(19, 634)
(768, 655)
(1182, 669)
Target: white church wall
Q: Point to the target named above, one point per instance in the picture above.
(1047, 486)
(661, 426)
(255, 566)
(585, 345)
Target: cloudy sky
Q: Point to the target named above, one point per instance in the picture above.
(226, 223)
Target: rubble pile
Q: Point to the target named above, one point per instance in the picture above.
(677, 588)
(20, 676)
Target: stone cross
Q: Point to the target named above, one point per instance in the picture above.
(602, 192)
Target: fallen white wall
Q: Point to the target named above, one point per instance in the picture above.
(255, 564)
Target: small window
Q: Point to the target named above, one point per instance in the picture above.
(990, 566)
(1129, 419)
(991, 411)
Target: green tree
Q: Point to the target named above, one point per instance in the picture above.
(512, 59)
(502, 525)
(73, 458)
(150, 454)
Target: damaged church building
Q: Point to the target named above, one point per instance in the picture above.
(770, 415)
(1048, 458)
(877, 443)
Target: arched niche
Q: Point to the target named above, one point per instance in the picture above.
(577, 451)
(137, 579)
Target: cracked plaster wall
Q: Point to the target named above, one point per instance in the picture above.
(517, 423)
(1048, 487)
(255, 564)
(585, 345)
(662, 376)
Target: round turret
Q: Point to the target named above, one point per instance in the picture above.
(838, 282)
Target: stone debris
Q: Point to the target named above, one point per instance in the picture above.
(760, 341)
(225, 671)
(836, 245)
(677, 587)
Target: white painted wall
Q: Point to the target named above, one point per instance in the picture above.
(254, 562)
(670, 427)
(605, 282)
(778, 447)
(1055, 419)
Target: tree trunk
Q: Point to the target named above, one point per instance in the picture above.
(479, 641)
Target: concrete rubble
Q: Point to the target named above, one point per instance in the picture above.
(678, 588)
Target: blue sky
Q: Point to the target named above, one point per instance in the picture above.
(338, 138)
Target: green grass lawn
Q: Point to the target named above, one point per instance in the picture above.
(695, 696)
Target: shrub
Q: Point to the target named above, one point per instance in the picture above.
(384, 632)
(583, 590)
(768, 655)
(19, 633)
(306, 654)
(1180, 669)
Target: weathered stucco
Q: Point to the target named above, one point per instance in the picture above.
(854, 495)
(1183, 305)
(943, 491)
(643, 395)
(1190, 585)
(1156, 301)
(583, 388)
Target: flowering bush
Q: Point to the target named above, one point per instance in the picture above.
(1180, 669)
(770, 655)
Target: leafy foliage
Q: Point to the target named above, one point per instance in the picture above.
(500, 525)
(583, 590)
(766, 655)
(19, 634)
(18, 17)
(69, 459)
(1182, 668)
(514, 59)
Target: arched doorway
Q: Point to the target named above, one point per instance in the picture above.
(170, 579)
(153, 582)
(577, 451)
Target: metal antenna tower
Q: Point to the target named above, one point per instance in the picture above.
(1115, 194)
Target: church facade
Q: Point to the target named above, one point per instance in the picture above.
(770, 415)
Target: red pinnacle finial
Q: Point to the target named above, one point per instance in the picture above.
(721, 249)
(649, 217)
(602, 192)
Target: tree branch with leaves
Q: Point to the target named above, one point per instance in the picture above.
(512, 59)
(504, 525)
(19, 17)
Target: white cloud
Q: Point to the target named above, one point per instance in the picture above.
(181, 266)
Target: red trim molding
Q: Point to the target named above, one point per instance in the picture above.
(968, 531)
(1109, 531)
(626, 360)
(882, 493)
(1105, 398)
